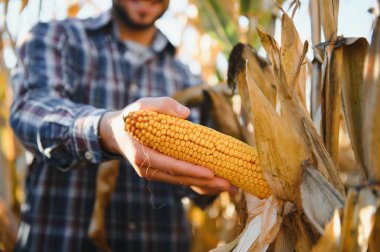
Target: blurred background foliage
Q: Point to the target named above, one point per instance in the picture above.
(204, 32)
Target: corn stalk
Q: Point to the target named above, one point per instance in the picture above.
(359, 228)
(316, 74)
(295, 161)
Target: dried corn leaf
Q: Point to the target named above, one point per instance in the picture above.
(360, 219)
(350, 223)
(354, 53)
(331, 98)
(329, 15)
(374, 242)
(329, 242)
(262, 74)
(315, 20)
(192, 96)
(367, 209)
(291, 58)
(316, 74)
(371, 109)
(8, 227)
(105, 185)
(316, 191)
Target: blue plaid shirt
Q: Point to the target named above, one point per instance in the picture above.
(69, 73)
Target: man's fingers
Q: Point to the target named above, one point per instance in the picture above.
(165, 105)
(170, 165)
(215, 184)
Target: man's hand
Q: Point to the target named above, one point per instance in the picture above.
(150, 164)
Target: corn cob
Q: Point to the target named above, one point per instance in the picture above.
(226, 156)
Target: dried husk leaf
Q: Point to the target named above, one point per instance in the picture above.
(105, 185)
(371, 110)
(350, 223)
(286, 237)
(316, 191)
(298, 118)
(271, 47)
(291, 55)
(354, 53)
(262, 74)
(280, 149)
(331, 98)
(325, 164)
(329, 15)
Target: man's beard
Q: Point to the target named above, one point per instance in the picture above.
(125, 18)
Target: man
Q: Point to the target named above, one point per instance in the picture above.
(74, 82)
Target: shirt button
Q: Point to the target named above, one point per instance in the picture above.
(131, 226)
(88, 155)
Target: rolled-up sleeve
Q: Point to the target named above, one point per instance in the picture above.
(43, 115)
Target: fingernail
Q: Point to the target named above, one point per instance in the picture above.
(182, 110)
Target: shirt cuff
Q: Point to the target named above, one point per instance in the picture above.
(85, 136)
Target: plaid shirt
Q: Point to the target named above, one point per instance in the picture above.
(69, 73)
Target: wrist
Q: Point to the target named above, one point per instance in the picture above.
(106, 133)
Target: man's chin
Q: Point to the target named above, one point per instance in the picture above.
(127, 21)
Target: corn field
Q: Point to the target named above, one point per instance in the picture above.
(311, 122)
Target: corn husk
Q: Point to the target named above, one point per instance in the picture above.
(294, 112)
(316, 191)
(263, 77)
(292, 50)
